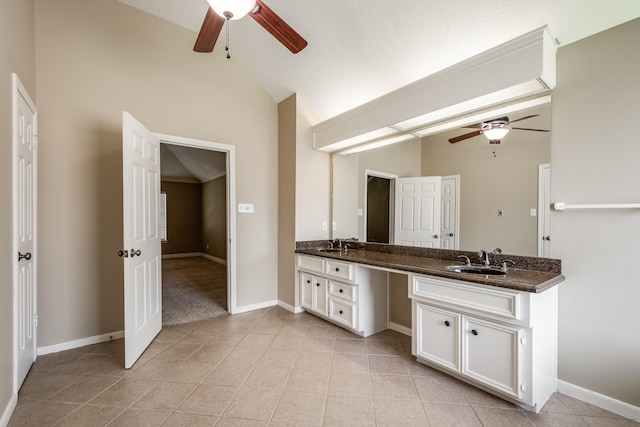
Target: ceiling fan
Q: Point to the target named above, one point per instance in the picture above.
(494, 130)
(221, 11)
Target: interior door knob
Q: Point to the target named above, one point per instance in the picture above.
(26, 256)
(135, 252)
(124, 254)
(435, 236)
(450, 234)
(547, 238)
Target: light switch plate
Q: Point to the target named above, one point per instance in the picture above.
(245, 207)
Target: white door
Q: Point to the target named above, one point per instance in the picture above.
(24, 230)
(417, 211)
(450, 215)
(142, 253)
(544, 210)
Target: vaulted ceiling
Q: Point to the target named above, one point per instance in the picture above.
(361, 49)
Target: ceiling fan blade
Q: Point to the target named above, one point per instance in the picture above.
(535, 130)
(209, 32)
(466, 136)
(277, 27)
(525, 118)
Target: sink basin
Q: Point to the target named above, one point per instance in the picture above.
(329, 250)
(473, 269)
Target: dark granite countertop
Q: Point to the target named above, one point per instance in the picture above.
(527, 280)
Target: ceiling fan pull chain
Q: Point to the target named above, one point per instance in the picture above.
(226, 47)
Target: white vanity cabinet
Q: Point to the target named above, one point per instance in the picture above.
(345, 293)
(498, 339)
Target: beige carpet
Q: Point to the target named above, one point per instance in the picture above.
(192, 289)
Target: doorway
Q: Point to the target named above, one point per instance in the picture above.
(194, 255)
(378, 216)
(142, 237)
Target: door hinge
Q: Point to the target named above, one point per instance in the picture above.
(523, 340)
(523, 387)
(35, 141)
(35, 320)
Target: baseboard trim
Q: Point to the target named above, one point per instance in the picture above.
(69, 345)
(290, 308)
(258, 306)
(400, 328)
(183, 255)
(600, 400)
(214, 259)
(8, 410)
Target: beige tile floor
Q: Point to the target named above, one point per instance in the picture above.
(269, 368)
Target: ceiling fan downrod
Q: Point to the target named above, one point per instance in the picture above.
(228, 16)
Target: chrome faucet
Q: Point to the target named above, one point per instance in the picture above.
(466, 259)
(484, 256)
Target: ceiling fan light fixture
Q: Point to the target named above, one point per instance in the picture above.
(232, 9)
(495, 132)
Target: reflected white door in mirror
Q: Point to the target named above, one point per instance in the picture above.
(417, 206)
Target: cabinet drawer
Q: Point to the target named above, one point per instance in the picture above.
(343, 290)
(339, 270)
(479, 299)
(311, 263)
(343, 312)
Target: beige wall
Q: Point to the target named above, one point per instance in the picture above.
(399, 302)
(184, 217)
(508, 181)
(17, 55)
(595, 152)
(287, 111)
(313, 184)
(96, 59)
(345, 185)
(214, 218)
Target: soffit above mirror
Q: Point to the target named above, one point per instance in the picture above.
(521, 69)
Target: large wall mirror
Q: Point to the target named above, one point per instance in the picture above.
(501, 188)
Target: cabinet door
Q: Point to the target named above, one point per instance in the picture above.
(491, 354)
(437, 335)
(320, 295)
(306, 290)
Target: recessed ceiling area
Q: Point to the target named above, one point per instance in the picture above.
(191, 165)
(361, 50)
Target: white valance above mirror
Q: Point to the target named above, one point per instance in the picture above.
(519, 69)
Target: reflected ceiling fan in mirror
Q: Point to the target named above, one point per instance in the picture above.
(494, 130)
(221, 11)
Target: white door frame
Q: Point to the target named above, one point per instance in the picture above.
(392, 189)
(19, 90)
(544, 206)
(231, 203)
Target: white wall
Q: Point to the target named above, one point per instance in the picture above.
(94, 60)
(17, 55)
(595, 153)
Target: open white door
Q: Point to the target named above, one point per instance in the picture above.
(417, 218)
(142, 247)
(450, 214)
(24, 230)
